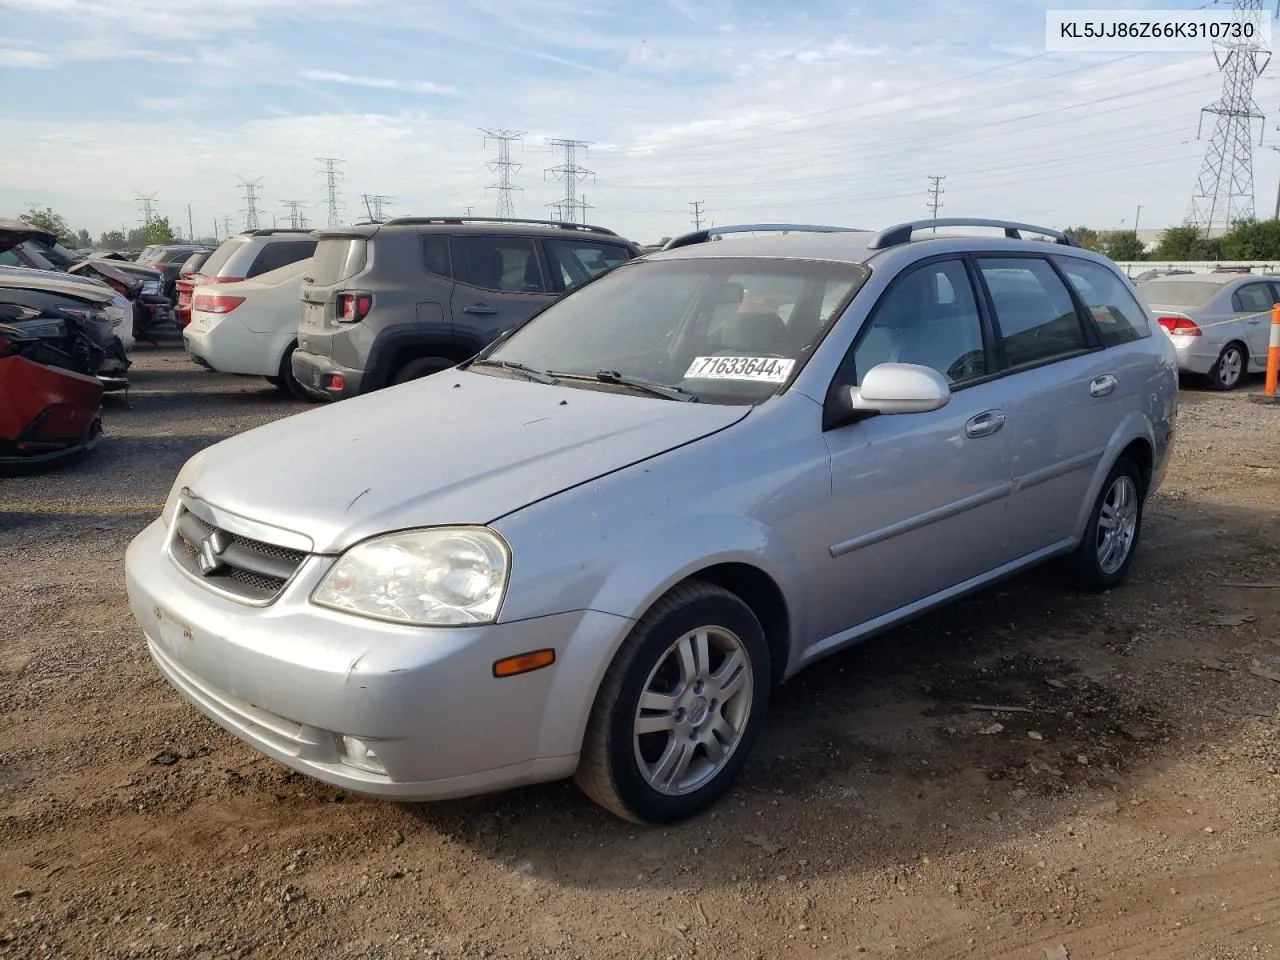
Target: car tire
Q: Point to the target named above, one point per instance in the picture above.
(1229, 370)
(285, 381)
(1105, 553)
(697, 666)
(417, 369)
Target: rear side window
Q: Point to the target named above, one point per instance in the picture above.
(1252, 298)
(219, 258)
(1036, 315)
(577, 261)
(273, 256)
(435, 255)
(1114, 309)
(337, 259)
(502, 264)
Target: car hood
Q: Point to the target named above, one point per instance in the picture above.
(456, 447)
(14, 232)
(83, 288)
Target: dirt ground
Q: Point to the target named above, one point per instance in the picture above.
(1129, 807)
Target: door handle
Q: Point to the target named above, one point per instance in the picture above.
(479, 308)
(1102, 386)
(984, 424)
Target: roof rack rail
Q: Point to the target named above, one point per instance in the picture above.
(702, 236)
(268, 231)
(563, 225)
(901, 233)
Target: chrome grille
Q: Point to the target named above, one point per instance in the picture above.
(244, 568)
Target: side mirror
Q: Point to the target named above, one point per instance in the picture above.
(900, 388)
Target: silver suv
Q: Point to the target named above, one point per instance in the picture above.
(594, 549)
(390, 302)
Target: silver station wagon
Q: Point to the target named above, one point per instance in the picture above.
(595, 548)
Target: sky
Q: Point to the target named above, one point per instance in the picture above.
(800, 111)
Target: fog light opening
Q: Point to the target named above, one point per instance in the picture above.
(357, 753)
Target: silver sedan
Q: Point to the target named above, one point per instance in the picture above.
(1219, 322)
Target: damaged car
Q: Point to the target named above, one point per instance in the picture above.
(83, 316)
(50, 409)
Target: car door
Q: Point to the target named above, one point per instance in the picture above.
(499, 283)
(919, 500)
(1068, 395)
(1257, 328)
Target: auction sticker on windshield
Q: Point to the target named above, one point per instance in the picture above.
(766, 369)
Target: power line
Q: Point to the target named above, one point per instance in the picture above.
(251, 198)
(331, 177)
(935, 194)
(697, 206)
(1224, 189)
(296, 219)
(504, 166)
(571, 175)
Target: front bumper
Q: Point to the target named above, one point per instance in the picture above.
(293, 679)
(315, 374)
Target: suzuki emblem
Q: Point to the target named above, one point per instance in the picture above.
(211, 549)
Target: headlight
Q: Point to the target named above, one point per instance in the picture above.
(444, 576)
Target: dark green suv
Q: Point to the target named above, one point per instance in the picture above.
(389, 302)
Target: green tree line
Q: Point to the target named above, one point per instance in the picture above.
(157, 230)
(1246, 240)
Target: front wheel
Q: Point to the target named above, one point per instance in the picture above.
(1105, 553)
(679, 708)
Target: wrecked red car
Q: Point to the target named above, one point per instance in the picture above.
(48, 410)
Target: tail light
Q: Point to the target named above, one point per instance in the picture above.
(1180, 326)
(214, 303)
(354, 306)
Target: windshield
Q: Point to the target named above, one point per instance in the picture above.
(723, 330)
(1179, 293)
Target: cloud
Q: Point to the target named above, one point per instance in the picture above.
(378, 83)
(25, 59)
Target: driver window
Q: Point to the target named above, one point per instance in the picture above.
(929, 317)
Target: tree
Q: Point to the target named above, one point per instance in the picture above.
(159, 231)
(1252, 240)
(50, 222)
(1185, 243)
(83, 240)
(1087, 237)
(1123, 246)
(112, 240)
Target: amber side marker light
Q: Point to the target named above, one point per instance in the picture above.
(524, 663)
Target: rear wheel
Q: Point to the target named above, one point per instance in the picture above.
(1102, 560)
(417, 369)
(679, 708)
(285, 381)
(1228, 372)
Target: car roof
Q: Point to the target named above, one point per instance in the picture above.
(540, 228)
(855, 247)
(1222, 279)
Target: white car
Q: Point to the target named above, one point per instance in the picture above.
(249, 327)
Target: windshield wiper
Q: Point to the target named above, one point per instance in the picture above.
(537, 376)
(648, 386)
